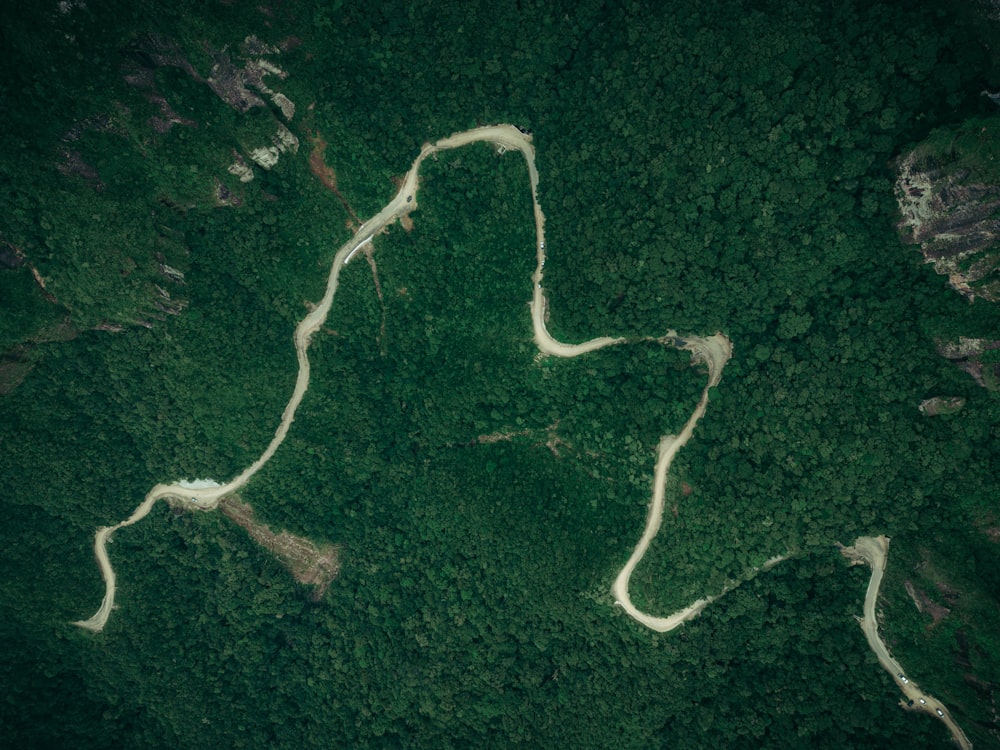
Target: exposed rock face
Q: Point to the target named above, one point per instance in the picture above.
(71, 162)
(158, 71)
(968, 353)
(282, 141)
(156, 51)
(948, 191)
(233, 85)
(952, 218)
(931, 407)
(240, 168)
(236, 78)
(224, 196)
(134, 155)
(145, 80)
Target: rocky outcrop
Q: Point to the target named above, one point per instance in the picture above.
(974, 357)
(948, 191)
(71, 162)
(931, 407)
(144, 79)
(237, 78)
(129, 153)
(953, 219)
(235, 84)
(281, 142)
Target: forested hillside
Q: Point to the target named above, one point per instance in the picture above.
(168, 213)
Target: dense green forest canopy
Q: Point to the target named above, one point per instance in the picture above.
(705, 167)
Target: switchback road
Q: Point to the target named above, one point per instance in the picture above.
(714, 351)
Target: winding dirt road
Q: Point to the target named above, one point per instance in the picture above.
(874, 550)
(206, 495)
(713, 351)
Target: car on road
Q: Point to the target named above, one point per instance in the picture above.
(902, 679)
(939, 712)
(922, 701)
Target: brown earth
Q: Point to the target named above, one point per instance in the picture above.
(308, 563)
(925, 604)
(550, 434)
(319, 167)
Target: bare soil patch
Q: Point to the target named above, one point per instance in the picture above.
(319, 167)
(309, 564)
(925, 604)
